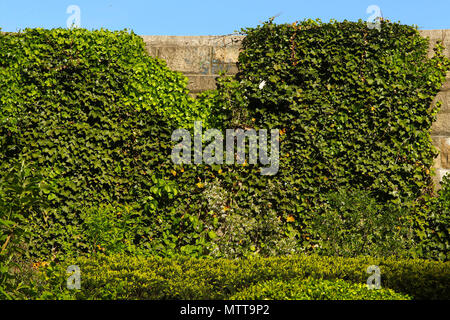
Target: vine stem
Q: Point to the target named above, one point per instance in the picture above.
(6, 242)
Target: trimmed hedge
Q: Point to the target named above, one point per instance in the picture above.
(315, 289)
(125, 277)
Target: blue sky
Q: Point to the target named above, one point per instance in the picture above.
(213, 17)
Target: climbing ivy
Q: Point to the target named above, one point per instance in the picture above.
(94, 113)
(354, 109)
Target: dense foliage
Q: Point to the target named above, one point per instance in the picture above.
(86, 119)
(354, 104)
(125, 277)
(354, 109)
(20, 189)
(315, 289)
(435, 243)
(353, 222)
(94, 113)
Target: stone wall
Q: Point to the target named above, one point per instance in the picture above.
(440, 133)
(202, 58)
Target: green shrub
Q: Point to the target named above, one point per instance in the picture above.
(95, 114)
(354, 109)
(354, 106)
(20, 196)
(127, 277)
(441, 220)
(352, 222)
(315, 289)
(435, 232)
(240, 231)
(111, 228)
(354, 103)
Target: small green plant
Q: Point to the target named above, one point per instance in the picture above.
(231, 231)
(20, 195)
(441, 219)
(94, 112)
(435, 233)
(112, 228)
(352, 223)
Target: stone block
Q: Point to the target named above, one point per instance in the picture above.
(152, 51)
(444, 152)
(444, 98)
(224, 59)
(219, 67)
(186, 59)
(198, 83)
(440, 173)
(436, 140)
(446, 85)
(442, 125)
(226, 54)
(446, 40)
(434, 36)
